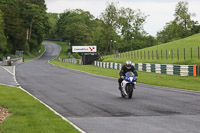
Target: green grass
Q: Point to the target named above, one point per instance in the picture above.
(29, 115)
(187, 43)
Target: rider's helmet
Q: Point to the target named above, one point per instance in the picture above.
(128, 64)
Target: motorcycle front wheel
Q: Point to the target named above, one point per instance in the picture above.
(130, 90)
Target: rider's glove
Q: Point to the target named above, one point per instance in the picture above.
(122, 77)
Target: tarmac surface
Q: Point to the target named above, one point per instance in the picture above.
(93, 102)
(7, 76)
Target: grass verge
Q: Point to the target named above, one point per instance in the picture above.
(29, 115)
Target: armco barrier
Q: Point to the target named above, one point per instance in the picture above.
(182, 70)
(70, 60)
(16, 61)
(13, 61)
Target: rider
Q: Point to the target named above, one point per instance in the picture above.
(126, 68)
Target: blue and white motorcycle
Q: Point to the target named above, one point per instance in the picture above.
(128, 85)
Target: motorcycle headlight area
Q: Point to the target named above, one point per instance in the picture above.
(130, 79)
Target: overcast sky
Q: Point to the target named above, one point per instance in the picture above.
(159, 11)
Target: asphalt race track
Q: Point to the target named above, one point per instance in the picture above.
(93, 103)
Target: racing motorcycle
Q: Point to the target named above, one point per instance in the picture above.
(128, 85)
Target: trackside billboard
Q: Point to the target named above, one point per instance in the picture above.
(83, 49)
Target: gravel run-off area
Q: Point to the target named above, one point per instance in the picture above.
(3, 114)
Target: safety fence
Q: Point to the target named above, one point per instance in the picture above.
(182, 70)
(12, 61)
(70, 60)
(161, 54)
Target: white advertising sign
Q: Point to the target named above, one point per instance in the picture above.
(84, 48)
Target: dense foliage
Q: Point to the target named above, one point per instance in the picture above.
(24, 24)
(115, 30)
(53, 19)
(182, 26)
(3, 41)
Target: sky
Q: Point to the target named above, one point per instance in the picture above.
(159, 11)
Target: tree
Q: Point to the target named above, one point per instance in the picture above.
(3, 41)
(122, 25)
(14, 28)
(53, 20)
(26, 23)
(78, 34)
(182, 25)
(182, 15)
(131, 26)
(75, 26)
(36, 24)
(110, 24)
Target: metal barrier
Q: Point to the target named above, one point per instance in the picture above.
(13, 61)
(70, 60)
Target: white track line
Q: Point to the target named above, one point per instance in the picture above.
(7, 70)
(7, 85)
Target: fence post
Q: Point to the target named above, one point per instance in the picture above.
(157, 54)
(131, 54)
(134, 55)
(137, 55)
(177, 53)
(128, 55)
(152, 54)
(172, 54)
(184, 53)
(198, 53)
(144, 55)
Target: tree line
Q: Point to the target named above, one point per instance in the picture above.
(23, 25)
(116, 29)
(119, 29)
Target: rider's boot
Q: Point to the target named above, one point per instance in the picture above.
(120, 88)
